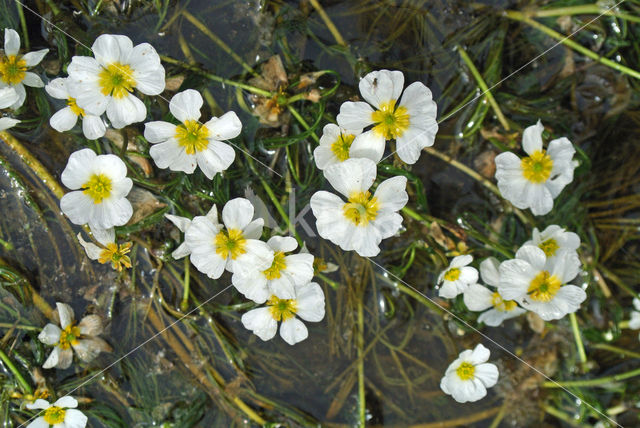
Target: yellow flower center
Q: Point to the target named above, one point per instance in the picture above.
(537, 167)
(452, 274)
(550, 246)
(116, 80)
(361, 208)
(341, 146)
(69, 336)
(502, 305)
(230, 244)
(282, 309)
(278, 265)
(390, 123)
(54, 415)
(192, 136)
(116, 255)
(544, 287)
(98, 187)
(466, 371)
(12, 69)
(78, 111)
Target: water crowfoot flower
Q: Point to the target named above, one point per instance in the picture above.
(234, 245)
(106, 83)
(279, 280)
(553, 240)
(364, 220)
(469, 376)
(534, 181)
(191, 144)
(13, 69)
(100, 187)
(61, 414)
(457, 277)
(338, 144)
(411, 123)
(183, 224)
(81, 337)
(634, 321)
(308, 304)
(480, 298)
(539, 283)
(109, 251)
(93, 126)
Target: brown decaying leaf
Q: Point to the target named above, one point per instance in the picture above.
(144, 204)
(115, 136)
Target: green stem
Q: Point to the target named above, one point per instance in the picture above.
(184, 305)
(583, 9)
(593, 382)
(23, 24)
(617, 350)
(578, 338)
(326, 279)
(12, 367)
(483, 86)
(362, 405)
(53, 7)
(616, 280)
(303, 122)
(419, 297)
(560, 415)
(519, 16)
(327, 21)
(20, 327)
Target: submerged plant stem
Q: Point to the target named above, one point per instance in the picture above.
(576, 334)
(519, 16)
(593, 382)
(483, 86)
(184, 305)
(362, 405)
(583, 9)
(623, 352)
(460, 422)
(12, 367)
(328, 22)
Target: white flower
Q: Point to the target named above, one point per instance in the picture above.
(634, 321)
(480, 298)
(13, 70)
(457, 277)
(285, 272)
(109, 251)
(412, 123)
(93, 126)
(233, 245)
(540, 284)
(106, 82)
(469, 376)
(339, 144)
(183, 224)
(7, 122)
(81, 337)
(61, 414)
(365, 220)
(100, 187)
(553, 240)
(308, 304)
(534, 181)
(182, 147)
(8, 96)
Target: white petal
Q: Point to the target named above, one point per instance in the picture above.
(300, 268)
(50, 334)
(158, 131)
(540, 199)
(38, 404)
(364, 241)
(284, 244)
(237, 213)
(479, 355)
(88, 349)
(11, 42)
(22, 95)
(311, 302)
(258, 256)
(324, 157)
(254, 229)
(634, 320)
(93, 127)
(494, 317)
(116, 212)
(33, 58)
(418, 101)
(145, 59)
(515, 278)
(566, 265)
(532, 255)
(216, 158)
(186, 105)
(355, 115)
(532, 138)
(477, 298)
(125, 111)
(8, 96)
(460, 261)
(77, 172)
(110, 48)
(261, 323)
(410, 144)
(182, 223)
(38, 422)
(92, 250)
(225, 127)
(77, 206)
(63, 120)
(352, 175)
(180, 252)
(561, 151)
(468, 275)
(57, 88)
(171, 155)
(200, 239)
(283, 287)
(150, 82)
(65, 313)
(489, 271)
(32, 80)
(52, 359)
(487, 373)
(368, 145)
(66, 402)
(89, 97)
(75, 419)
(293, 331)
(7, 122)
(91, 325)
(387, 224)
(381, 86)
(252, 285)
(391, 193)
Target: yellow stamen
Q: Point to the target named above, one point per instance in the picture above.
(116, 80)
(342, 145)
(361, 208)
(466, 371)
(544, 287)
(78, 111)
(69, 336)
(192, 136)
(502, 305)
(98, 188)
(390, 123)
(279, 264)
(230, 244)
(537, 167)
(282, 309)
(12, 69)
(550, 246)
(452, 274)
(116, 255)
(54, 415)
